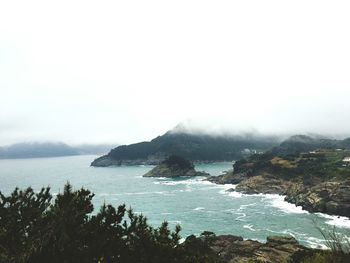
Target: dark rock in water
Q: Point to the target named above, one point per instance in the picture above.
(174, 166)
(277, 249)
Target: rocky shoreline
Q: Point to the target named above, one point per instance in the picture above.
(106, 161)
(235, 249)
(330, 197)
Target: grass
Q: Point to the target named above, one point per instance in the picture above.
(282, 162)
(339, 248)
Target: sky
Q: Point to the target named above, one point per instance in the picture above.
(127, 71)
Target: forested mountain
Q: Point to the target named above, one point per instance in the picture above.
(195, 147)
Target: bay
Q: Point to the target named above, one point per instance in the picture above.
(195, 204)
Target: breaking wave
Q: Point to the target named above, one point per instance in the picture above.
(338, 221)
(279, 202)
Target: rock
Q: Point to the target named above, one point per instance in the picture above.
(234, 249)
(280, 240)
(331, 197)
(327, 197)
(228, 177)
(105, 161)
(174, 166)
(263, 184)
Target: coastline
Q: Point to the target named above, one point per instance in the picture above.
(330, 197)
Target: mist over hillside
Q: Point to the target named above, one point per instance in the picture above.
(191, 144)
(302, 143)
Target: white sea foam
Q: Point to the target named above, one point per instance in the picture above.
(162, 178)
(290, 232)
(235, 194)
(242, 207)
(198, 208)
(229, 186)
(250, 227)
(225, 191)
(240, 218)
(184, 182)
(338, 221)
(316, 243)
(278, 202)
(139, 193)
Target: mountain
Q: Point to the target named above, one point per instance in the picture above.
(34, 150)
(48, 149)
(303, 143)
(192, 146)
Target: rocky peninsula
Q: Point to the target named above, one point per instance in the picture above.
(317, 180)
(174, 166)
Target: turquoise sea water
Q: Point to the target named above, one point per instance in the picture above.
(195, 204)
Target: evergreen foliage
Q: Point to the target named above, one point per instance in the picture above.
(35, 228)
(178, 161)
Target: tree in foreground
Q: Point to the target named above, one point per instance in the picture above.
(36, 228)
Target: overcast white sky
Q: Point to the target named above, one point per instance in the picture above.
(124, 71)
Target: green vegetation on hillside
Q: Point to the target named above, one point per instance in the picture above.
(174, 166)
(324, 164)
(178, 161)
(195, 147)
(301, 143)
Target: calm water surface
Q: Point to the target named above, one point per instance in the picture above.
(195, 204)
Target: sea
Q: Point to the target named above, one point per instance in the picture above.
(195, 204)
